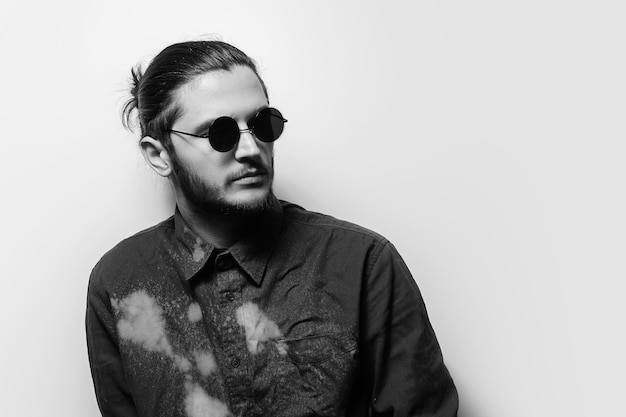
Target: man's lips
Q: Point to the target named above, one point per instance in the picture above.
(254, 173)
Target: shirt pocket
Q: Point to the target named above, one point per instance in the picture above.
(323, 367)
(318, 349)
(313, 372)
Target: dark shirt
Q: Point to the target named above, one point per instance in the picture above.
(306, 316)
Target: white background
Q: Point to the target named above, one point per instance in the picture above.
(486, 139)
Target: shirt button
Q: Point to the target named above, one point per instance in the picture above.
(234, 362)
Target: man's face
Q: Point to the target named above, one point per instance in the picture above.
(238, 181)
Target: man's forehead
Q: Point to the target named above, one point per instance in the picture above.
(238, 79)
(222, 92)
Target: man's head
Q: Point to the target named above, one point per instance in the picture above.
(186, 88)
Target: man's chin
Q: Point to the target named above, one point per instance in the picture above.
(239, 207)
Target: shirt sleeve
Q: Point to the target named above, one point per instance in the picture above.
(403, 361)
(112, 391)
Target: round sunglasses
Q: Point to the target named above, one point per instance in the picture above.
(224, 132)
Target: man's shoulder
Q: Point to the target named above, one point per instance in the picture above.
(312, 220)
(131, 249)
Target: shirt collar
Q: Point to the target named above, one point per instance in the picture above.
(252, 252)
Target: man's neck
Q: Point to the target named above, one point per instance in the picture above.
(220, 230)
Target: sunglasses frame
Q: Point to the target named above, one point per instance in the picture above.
(250, 129)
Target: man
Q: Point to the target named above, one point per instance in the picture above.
(239, 304)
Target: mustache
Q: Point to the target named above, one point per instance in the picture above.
(252, 168)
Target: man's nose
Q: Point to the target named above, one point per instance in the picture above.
(247, 146)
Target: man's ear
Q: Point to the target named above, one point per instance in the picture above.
(156, 156)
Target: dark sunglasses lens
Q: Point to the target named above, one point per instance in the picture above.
(268, 125)
(223, 134)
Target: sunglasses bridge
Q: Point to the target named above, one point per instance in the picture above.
(248, 130)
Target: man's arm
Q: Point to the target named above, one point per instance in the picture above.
(402, 357)
(112, 391)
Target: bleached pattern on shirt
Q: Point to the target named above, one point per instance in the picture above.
(198, 253)
(194, 313)
(259, 329)
(143, 323)
(199, 404)
(205, 362)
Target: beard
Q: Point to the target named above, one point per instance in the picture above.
(208, 197)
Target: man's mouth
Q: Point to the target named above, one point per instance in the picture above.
(250, 175)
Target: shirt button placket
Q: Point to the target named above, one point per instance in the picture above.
(229, 287)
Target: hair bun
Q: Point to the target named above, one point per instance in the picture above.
(132, 104)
